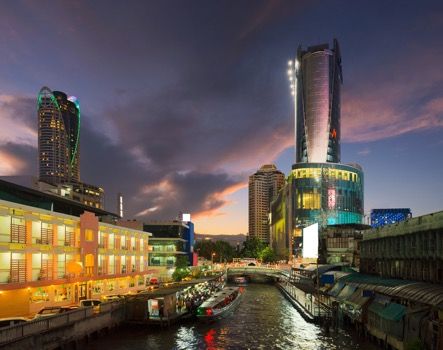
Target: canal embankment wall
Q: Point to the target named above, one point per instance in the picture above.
(69, 330)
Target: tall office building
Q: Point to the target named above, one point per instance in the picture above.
(316, 83)
(58, 137)
(264, 186)
(59, 149)
(319, 188)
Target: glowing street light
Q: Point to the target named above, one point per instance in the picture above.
(212, 258)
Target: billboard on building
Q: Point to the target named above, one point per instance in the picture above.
(310, 241)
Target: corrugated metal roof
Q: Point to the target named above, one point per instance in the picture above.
(393, 312)
(419, 292)
(376, 308)
(336, 289)
(337, 274)
(369, 279)
(357, 298)
(321, 268)
(390, 312)
(346, 292)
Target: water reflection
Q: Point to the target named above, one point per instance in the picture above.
(263, 320)
(209, 339)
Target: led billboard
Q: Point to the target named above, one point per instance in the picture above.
(310, 241)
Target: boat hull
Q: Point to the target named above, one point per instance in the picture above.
(223, 312)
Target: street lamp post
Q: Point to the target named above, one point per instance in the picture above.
(212, 260)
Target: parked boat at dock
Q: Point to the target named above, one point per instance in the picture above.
(241, 281)
(220, 304)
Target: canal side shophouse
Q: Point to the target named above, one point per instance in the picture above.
(54, 251)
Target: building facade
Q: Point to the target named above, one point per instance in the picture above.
(319, 188)
(326, 193)
(264, 186)
(411, 249)
(316, 79)
(171, 239)
(59, 149)
(58, 137)
(50, 258)
(381, 217)
(340, 244)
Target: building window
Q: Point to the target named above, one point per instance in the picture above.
(89, 235)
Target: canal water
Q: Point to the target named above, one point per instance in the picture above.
(263, 320)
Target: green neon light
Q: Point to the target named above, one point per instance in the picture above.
(78, 131)
(45, 92)
(51, 96)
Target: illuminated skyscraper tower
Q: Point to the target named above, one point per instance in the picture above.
(321, 189)
(316, 78)
(58, 137)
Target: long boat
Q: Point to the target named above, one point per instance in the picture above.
(220, 304)
(241, 281)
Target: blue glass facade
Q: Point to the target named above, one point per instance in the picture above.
(381, 217)
(326, 193)
(183, 232)
(188, 235)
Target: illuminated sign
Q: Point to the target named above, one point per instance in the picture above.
(186, 217)
(310, 241)
(331, 198)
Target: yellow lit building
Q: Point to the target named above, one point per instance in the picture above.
(49, 258)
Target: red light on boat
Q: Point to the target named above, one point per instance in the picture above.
(209, 312)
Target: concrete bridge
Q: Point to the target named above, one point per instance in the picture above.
(271, 272)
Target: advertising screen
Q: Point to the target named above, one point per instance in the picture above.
(310, 241)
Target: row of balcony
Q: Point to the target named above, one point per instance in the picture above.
(105, 246)
(14, 275)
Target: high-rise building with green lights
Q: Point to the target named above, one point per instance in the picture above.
(58, 137)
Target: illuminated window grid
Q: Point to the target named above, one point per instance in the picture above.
(315, 173)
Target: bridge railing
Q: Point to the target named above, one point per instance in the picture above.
(12, 333)
(258, 269)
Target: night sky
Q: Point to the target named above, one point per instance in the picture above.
(182, 100)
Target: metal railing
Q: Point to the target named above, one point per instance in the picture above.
(13, 333)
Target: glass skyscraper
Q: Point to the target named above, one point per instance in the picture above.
(58, 137)
(319, 188)
(322, 189)
(317, 79)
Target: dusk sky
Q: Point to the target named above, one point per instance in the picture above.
(182, 100)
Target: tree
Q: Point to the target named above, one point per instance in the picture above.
(181, 268)
(204, 248)
(222, 249)
(252, 248)
(267, 255)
